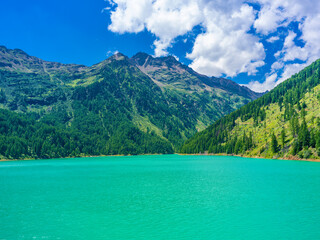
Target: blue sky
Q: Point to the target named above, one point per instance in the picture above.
(69, 31)
(257, 42)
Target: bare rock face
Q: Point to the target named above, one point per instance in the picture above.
(167, 70)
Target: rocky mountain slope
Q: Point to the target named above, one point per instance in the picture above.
(123, 105)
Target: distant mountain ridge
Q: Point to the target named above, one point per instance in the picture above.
(152, 66)
(16, 59)
(123, 105)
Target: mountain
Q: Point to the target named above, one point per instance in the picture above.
(119, 106)
(283, 123)
(167, 71)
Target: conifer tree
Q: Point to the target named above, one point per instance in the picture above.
(274, 144)
(283, 137)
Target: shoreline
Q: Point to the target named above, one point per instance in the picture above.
(89, 156)
(291, 158)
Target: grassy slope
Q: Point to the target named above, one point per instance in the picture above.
(274, 123)
(301, 89)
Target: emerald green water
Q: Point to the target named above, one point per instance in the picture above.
(160, 197)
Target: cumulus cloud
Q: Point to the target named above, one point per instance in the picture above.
(270, 17)
(130, 16)
(273, 39)
(232, 32)
(166, 19)
(224, 47)
(292, 57)
(268, 84)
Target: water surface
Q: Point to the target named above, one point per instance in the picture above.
(160, 197)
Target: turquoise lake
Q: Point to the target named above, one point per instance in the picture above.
(160, 197)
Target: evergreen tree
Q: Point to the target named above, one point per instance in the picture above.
(304, 134)
(274, 144)
(3, 97)
(283, 137)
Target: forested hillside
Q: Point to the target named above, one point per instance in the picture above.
(283, 123)
(113, 107)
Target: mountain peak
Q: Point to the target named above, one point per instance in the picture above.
(15, 51)
(118, 56)
(145, 60)
(169, 58)
(141, 55)
(141, 58)
(19, 51)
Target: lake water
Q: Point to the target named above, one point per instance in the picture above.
(160, 197)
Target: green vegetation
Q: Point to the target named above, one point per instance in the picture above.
(62, 110)
(21, 136)
(282, 123)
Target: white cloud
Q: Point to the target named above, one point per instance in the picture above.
(311, 34)
(276, 66)
(290, 51)
(176, 58)
(275, 14)
(110, 53)
(166, 19)
(227, 45)
(273, 80)
(268, 84)
(130, 16)
(273, 39)
(224, 48)
(270, 17)
(291, 69)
